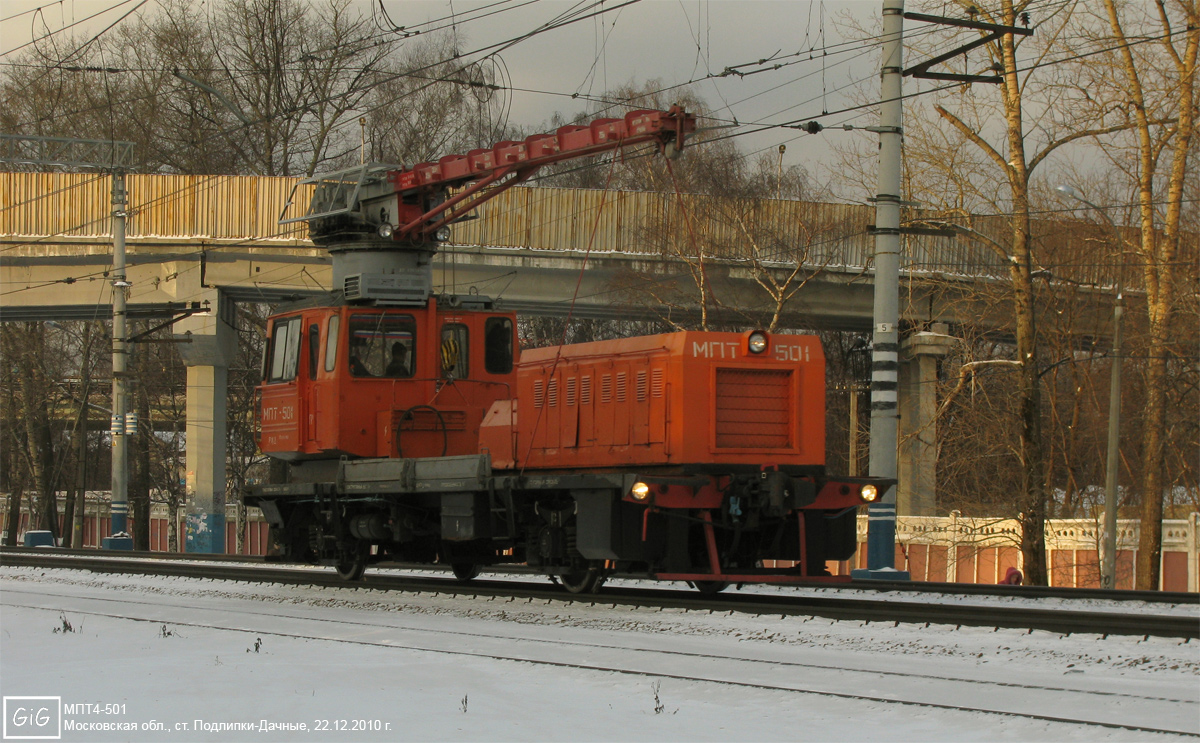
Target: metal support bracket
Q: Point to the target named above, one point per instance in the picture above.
(195, 309)
(994, 32)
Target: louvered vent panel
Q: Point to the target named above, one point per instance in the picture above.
(585, 391)
(656, 382)
(621, 387)
(552, 394)
(641, 386)
(753, 409)
(539, 393)
(571, 385)
(606, 389)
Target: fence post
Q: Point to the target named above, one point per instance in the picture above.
(1193, 547)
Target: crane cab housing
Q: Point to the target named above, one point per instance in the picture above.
(376, 381)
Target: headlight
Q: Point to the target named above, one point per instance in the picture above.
(443, 235)
(869, 493)
(640, 491)
(385, 230)
(758, 342)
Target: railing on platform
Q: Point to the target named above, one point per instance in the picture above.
(216, 208)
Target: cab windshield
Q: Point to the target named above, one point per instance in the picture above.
(382, 345)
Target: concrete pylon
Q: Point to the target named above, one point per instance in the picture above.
(208, 347)
(917, 493)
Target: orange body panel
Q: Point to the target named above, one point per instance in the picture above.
(688, 398)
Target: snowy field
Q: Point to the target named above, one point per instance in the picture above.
(135, 658)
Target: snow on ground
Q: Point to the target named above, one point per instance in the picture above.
(175, 654)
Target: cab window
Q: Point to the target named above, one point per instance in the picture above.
(454, 351)
(285, 350)
(498, 345)
(331, 341)
(314, 349)
(382, 345)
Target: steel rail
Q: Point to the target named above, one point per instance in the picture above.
(880, 586)
(870, 610)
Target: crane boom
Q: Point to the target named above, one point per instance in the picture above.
(412, 204)
(382, 223)
(508, 163)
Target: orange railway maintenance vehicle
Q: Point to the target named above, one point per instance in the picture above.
(409, 427)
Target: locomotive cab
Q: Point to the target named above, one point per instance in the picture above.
(370, 381)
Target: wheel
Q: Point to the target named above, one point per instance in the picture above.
(465, 571)
(582, 581)
(352, 562)
(710, 587)
(351, 569)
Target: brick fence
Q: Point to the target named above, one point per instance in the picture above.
(962, 550)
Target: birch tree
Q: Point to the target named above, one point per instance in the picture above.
(1153, 88)
(1013, 134)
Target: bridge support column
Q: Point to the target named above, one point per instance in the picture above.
(208, 348)
(919, 354)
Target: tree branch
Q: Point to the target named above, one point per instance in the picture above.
(970, 134)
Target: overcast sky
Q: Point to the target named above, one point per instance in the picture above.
(673, 41)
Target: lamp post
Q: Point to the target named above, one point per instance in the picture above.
(1108, 563)
(779, 178)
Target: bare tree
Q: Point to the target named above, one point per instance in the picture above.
(13, 476)
(26, 345)
(1158, 93)
(1012, 135)
(297, 74)
(427, 103)
(243, 456)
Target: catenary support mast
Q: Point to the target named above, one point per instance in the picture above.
(121, 428)
(885, 361)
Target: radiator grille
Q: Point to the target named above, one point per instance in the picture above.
(754, 409)
(585, 391)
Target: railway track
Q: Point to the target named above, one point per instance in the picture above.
(877, 586)
(881, 608)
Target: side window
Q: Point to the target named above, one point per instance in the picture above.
(382, 345)
(331, 341)
(285, 350)
(498, 345)
(454, 352)
(314, 349)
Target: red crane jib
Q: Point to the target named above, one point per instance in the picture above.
(543, 149)
(489, 167)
